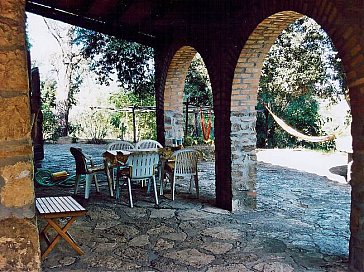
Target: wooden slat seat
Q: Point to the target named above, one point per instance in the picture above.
(54, 208)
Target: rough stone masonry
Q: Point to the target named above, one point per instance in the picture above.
(19, 242)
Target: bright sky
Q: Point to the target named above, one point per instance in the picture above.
(43, 43)
(44, 46)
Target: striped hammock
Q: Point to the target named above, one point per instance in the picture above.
(299, 135)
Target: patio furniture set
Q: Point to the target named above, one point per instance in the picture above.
(147, 162)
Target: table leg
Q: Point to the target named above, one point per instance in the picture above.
(161, 176)
(109, 178)
(62, 232)
(45, 234)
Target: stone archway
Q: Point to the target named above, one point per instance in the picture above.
(173, 93)
(243, 101)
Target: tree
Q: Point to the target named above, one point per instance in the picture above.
(301, 68)
(50, 122)
(133, 63)
(94, 125)
(68, 68)
(197, 83)
(122, 121)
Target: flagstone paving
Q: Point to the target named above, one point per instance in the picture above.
(300, 224)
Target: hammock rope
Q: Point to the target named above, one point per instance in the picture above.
(296, 133)
(206, 128)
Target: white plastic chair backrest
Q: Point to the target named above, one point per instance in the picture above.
(185, 162)
(120, 145)
(143, 164)
(148, 144)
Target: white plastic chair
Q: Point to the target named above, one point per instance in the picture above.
(148, 144)
(120, 145)
(141, 166)
(185, 165)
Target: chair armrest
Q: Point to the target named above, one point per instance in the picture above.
(90, 159)
(87, 156)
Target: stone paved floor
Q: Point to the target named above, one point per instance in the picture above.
(300, 224)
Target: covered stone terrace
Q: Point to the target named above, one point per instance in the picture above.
(233, 37)
(300, 224)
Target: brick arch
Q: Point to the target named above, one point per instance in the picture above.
(243, 101)
(347, 38)
(247, 72)
(173, 92)
(346, 35)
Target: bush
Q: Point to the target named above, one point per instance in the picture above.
(94, 126)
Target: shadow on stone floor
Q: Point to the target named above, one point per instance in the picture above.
(300, 224)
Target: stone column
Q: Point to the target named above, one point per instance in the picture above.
(19, 242)
(243, 160)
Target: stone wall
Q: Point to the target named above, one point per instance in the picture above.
(19, 242)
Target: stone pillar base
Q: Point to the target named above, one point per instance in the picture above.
(244, 200)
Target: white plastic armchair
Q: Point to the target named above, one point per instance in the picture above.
(184, 165)
(148, 144)
(120, 145)
(142, 166)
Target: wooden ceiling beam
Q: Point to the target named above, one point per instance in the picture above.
(119, 31)
(136, 13)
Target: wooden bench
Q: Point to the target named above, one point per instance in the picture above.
(54, 208)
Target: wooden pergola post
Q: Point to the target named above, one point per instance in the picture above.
(134, 124)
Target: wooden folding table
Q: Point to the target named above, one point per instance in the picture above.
(54, 208)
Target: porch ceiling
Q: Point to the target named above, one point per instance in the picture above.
(143, 21)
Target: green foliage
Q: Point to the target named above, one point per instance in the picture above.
(132, 62)
(301, 68)
(123, 121)
(133, 65)
(197, 84)
(94, 126)
(199, 94)
(300, 113)
(193, 140)
(301, 61)
(51, 129)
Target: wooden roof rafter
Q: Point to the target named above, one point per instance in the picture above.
(102, 25)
